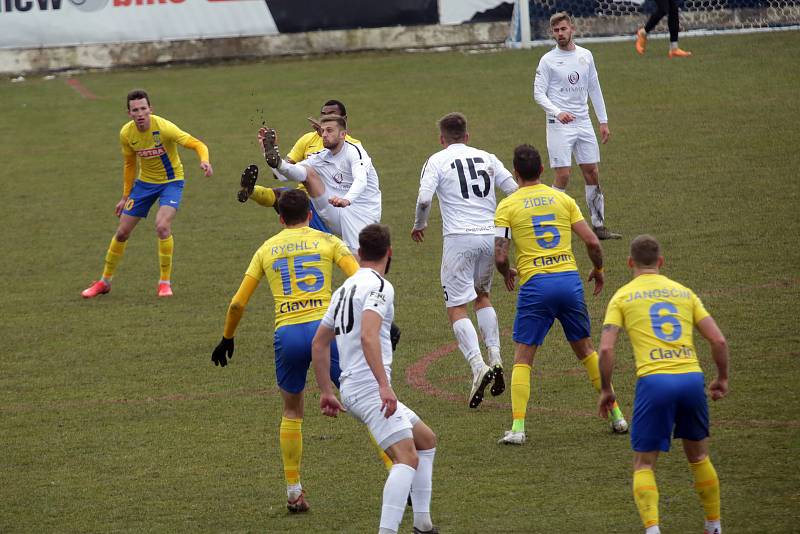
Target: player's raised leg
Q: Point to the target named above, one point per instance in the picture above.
(166, 246)
(116, 249)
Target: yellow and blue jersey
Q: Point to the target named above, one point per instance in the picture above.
(310, 143)
(298, 263)
(156, 149)
(659, 315)
(539, 220)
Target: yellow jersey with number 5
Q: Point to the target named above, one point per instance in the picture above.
(659, 316)
(298, 263)
(539, 219)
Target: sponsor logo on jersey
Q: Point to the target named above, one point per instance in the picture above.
(668, 354)
(151, 152)
(378, 297)
(287, 307)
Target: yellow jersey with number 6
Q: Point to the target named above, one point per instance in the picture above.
(659, 316)
(298, 263)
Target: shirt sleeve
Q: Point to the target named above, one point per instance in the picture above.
(170, 131)
(358, 167)
(699, 311)
(614, 315)
(428, 182)
(575, 214)
(328, 318)
(343, 257)
(256, 267)
(596, 94)
(125, 146)
(380, 300)
(298, 151)
(502, 177)
(501, 217)
(540, 84)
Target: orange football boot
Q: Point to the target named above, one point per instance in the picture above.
(677, 52)
(641, 41)
(164, 289)
(96, 288)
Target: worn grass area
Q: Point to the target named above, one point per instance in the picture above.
(114, 419)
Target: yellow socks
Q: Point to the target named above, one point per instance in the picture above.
(706, 483)
(645, 493)
(387, 462)
(113, 256)
(592, 365)
(165, 248)
(291, 448)
(264, 196)
(520, 393)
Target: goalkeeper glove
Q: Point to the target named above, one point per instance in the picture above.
(223, 349)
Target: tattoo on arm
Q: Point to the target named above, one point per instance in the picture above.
(501, 246)
(596, 255)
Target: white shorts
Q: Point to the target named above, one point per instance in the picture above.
(365, 405)
(576, 137)
(467, 267)
(346, 222)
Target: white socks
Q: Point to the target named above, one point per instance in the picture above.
(653, 530)
(597, 205)
(395, 496)
(487, 324)
(293, 491)
(421, 489)
(467, 339)
(290, 171)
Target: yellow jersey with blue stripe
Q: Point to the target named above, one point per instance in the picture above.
(659, 315)
(310, 143)
(539, 219)
(298, 263)
(156, 149)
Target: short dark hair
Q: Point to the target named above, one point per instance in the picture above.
(338, 119)
(293, 205)
(453, 127)
(374, 241)
(645, 250)
(527, 162)
(136, 94)
(337, 103)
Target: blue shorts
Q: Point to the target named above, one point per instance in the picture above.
(144, 194)
(293, 356)
(666, 407)
(546, 297)
(316, 221)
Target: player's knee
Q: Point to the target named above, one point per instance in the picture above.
(122, 234)
(163, 230)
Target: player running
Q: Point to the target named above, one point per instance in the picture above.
(358, 318)
(152, 142)
(464, 178)
(540, 220)
(659, 314)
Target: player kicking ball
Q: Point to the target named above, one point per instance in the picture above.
(358, 318)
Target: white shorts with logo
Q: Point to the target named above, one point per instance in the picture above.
(576, 137)
(467, 267)
(346, 222)
(364, 403)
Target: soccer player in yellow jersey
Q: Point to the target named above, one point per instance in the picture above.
(659, 314)
(152, 142)
(298, 264)
(309, 143)
(540, 220)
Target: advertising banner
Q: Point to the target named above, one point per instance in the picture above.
(45, 23)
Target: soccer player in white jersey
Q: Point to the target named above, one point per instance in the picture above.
(565, 77)
(340, 179)
(359, 317)
(464, 178)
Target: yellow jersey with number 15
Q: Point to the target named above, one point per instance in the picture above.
(539, 220)
(659, 316)
(298, 263)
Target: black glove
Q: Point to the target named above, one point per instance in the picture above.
(225, 348)
(394, 335)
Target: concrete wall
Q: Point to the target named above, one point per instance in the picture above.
(21, 61)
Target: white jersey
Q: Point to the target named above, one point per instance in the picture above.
(348, 174)
(564, 80)
(365, 290)
(464, 179)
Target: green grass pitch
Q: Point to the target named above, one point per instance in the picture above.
(113, 418)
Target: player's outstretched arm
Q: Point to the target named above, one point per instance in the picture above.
(719, 351)
(321, 359)
(224, 350)
(608, 340)
(595, 252)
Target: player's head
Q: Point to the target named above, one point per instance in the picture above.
(645, 253)
(527, 164)
(333, 107)
(375, 245)
(453, 129)
(294, 207)
(138, 103)
(333, 130)
(562, 27)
